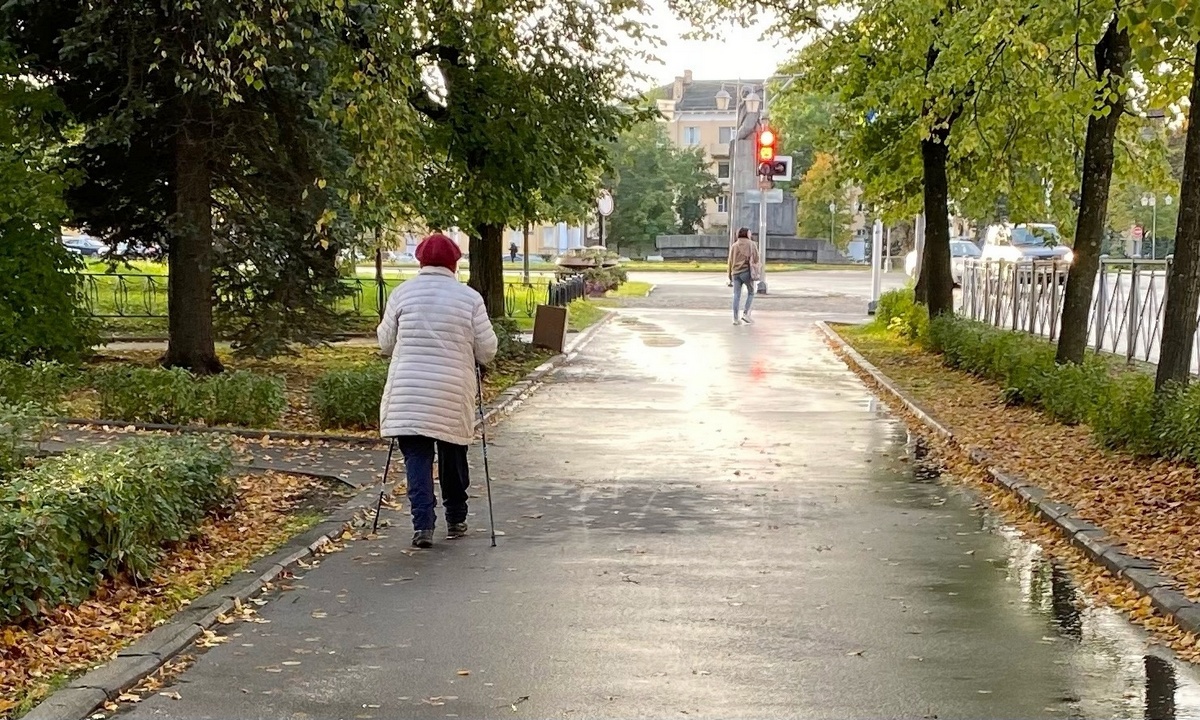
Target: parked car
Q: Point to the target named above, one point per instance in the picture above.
(85, 245)
(960, 250)
(1026, 241)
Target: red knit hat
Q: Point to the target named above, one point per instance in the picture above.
(439, 251)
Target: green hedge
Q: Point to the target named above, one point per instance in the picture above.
(80, 516)
(349, 398)
(155, 395)
(1118, 403)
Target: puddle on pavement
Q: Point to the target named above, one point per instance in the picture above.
(652, 335)
(1100, 646)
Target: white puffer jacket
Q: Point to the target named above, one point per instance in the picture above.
(436, 329)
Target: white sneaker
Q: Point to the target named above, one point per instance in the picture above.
(746, 319)
(737, 322)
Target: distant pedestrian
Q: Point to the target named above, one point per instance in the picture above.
(436, 331)
(744, 269)
(512, 252)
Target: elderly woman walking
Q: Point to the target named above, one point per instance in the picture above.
(437, 332)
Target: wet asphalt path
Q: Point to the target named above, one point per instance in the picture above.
(699, 521)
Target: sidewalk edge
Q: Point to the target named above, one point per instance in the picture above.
(1100, 547)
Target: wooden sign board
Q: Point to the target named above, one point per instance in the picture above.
(550, 328)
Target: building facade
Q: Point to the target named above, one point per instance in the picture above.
(704, 114)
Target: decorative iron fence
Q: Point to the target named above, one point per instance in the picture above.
(141, 296)
(125, 295)
(1127, 304)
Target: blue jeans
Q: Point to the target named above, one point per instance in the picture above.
(740, 279)
(453, 474)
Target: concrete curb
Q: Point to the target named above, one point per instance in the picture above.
(1094, 541)
(151, 651)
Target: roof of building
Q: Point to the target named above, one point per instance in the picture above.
(701, 95)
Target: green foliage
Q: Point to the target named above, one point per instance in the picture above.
(40, 383)
(21, 427)
(658, 188)
(900, 314)
(349, 397)
(603, 279)
(1119, 405)
(77, 517)
(820, 186)
(175, 396)
(41, 303)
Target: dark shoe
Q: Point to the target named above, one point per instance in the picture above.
(423, 539)
(457, 530)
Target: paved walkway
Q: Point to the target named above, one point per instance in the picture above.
(699, 520)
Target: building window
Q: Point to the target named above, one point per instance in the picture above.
(723, 171)
(691, 136)
(722, 203)
(725, 135)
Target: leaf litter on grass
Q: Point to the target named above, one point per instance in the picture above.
(1152, 506)
(66, 640)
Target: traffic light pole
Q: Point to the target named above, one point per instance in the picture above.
(762, 237)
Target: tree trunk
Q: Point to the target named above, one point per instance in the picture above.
(189, 259)
(935, 287)
(1183, 284)
(1112, 55)
(487, 266)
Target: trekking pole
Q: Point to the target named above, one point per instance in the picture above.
(383, 484)
(487, 475)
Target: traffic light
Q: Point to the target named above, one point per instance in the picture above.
(766, 142)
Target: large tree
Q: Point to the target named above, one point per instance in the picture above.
(658, 188)
(520, 105)
(204, 122)
(1168, 38)
(1111, 55)
(821, 186)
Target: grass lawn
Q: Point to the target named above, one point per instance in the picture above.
(633, 288)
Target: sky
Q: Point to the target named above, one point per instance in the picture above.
(740, 53)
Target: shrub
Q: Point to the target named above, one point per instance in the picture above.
(245, 398)
(899, 313)
(88, 513)
(349, 398)
(155, 395)
(1124, 415)
(1120, 405)
(42, 302)
(21, 427)
(41, 383)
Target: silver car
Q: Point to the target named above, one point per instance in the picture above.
(960, 251)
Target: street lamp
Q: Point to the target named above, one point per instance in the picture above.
(832, 222)
(1151, 200)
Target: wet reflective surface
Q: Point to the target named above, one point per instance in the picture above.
(699, 520)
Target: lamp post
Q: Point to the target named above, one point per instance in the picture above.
(832, 222)
(1151, 200)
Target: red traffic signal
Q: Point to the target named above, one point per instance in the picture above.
(766, 145)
